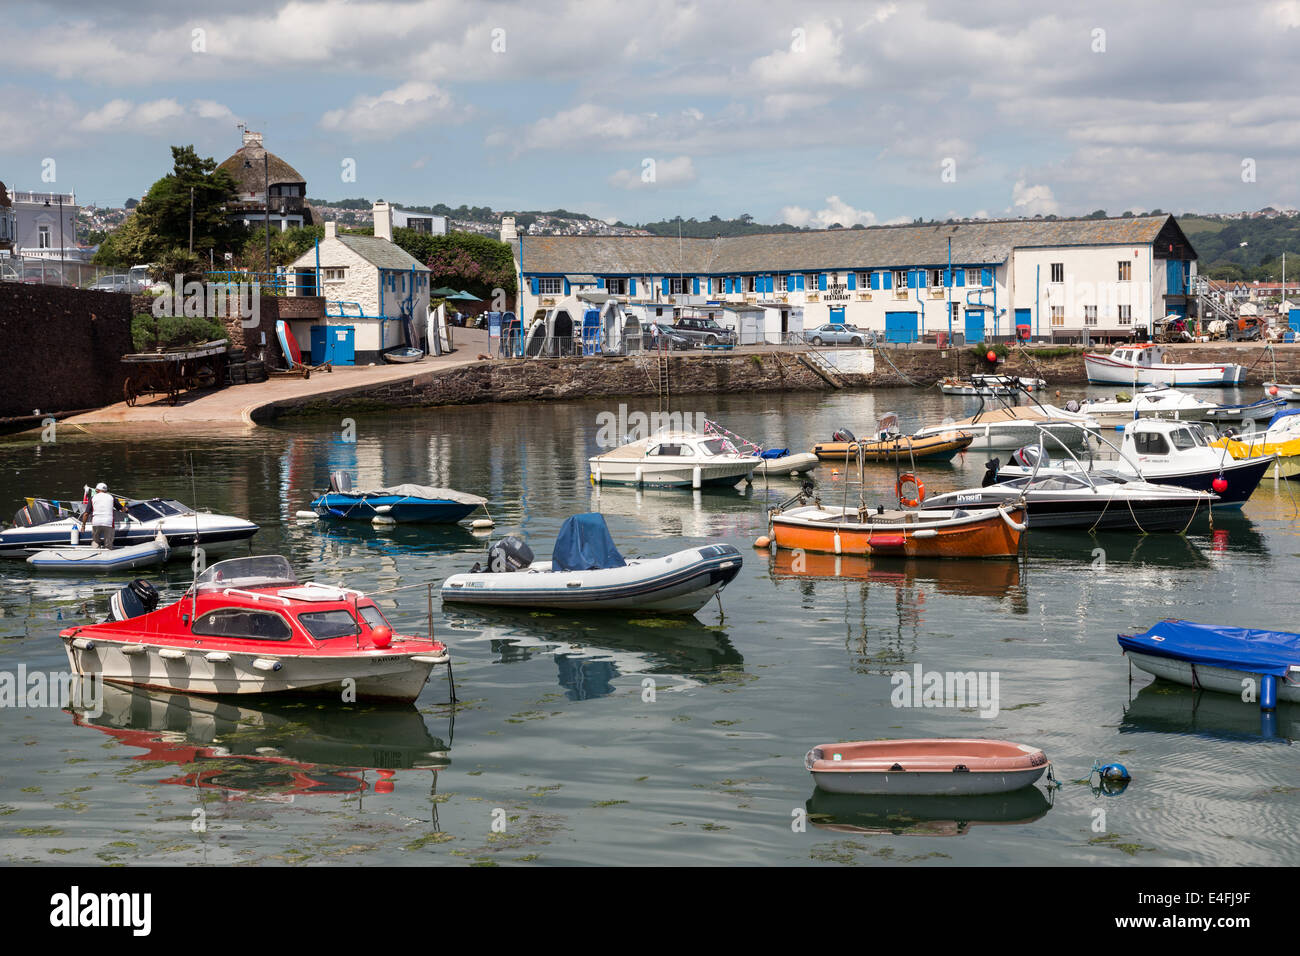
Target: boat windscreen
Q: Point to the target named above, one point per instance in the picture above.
(260, 571)
(718, 446)
(143, 511)
(1183, 438)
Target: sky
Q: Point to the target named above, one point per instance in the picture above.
(810, 113)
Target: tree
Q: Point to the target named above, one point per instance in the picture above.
(462, 260)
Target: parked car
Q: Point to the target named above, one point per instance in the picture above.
(115, 283)
(839, 335)
(667, 337)
(701, 332)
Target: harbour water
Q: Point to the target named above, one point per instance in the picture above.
(608, 739)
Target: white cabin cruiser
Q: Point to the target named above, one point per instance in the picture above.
(1017, 426)
(674, 459)
(1136, 365)
(44, 524)
(1154, 401)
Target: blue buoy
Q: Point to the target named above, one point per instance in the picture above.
(1268, 692)
(1114, 771)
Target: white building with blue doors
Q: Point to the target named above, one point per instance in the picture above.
(1063, 279)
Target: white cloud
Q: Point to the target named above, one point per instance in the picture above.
(122, 115)
(393, 112)
(667, 173)
(585, 126)
(1027, 200)
(835, 211)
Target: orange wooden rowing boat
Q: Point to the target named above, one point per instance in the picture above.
(902, 448)
(982, 533)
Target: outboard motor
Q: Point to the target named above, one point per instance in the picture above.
(991, 472)
(137, 598)
(843, 434)
(1031, 456)
(509, 554)
(38, 512)
(340, 482)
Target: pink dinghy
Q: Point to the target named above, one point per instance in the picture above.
(933, 766)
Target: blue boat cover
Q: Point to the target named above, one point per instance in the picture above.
(1235, 648)
(1286, 413)
(774, 453)
(584, 544)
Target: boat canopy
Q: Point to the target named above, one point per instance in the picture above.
(1234, 648)
(417, 492)
(584, 544)
(259, 571)
(1285, 413)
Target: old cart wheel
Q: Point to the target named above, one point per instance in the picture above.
(128, 392)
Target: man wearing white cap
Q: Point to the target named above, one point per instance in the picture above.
(101, 517)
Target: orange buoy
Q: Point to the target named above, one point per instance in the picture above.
(381, 636)
(762, 541)
(920, 490)
(1272, 390)
(992, 356)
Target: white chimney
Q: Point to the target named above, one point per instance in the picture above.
(383, 220)
(331, 229)
(508, 233)
(252, 139)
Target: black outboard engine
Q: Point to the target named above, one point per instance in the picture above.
(340, 482)
(843, 434)
(991, 472)
(137, 598)
(509, 554)
(1031, 456)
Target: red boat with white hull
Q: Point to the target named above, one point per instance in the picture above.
(247, 626)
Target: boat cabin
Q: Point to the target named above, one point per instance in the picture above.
(1153, 439)
(1143, 356)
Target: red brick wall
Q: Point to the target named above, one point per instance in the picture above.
(59, 348)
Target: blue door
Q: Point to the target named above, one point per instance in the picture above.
(837, 315)
(1176, 271)
(334, 343)
(974, 326)
(900, 326)
(1023, 319)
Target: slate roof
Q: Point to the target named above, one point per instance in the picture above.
(382, 253)
(973, 243)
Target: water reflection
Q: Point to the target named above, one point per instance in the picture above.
(270, 749)
(923, 816)
(1164, 708)
(592, 652)
(691, 513)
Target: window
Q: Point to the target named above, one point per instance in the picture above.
(244, 623)
(1149, 443)
(1125, 313)
(810, 282)
(616, 286)
(749, 284)
(864, 281)
(550, 286)
(1089, 315)
(974, 278)
(1058, 315)
(44, 239)
(1125, 270)
(783, 283)
(719, 286)
(900, 281)
(1183, 438)
(936, 278)
(717, 446)
(373, 616)
(1058, 271)
(324, 625)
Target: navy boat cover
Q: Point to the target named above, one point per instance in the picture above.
(1235, 648)
(584, 544)
(1285, 413)
(773, 453)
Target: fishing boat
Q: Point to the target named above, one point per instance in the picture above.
(1159, 451)
(1154, 401)
(774, 461)
(248, 626)
(1017, 425)
(890, 445)
(46, 523)
(1084, 500)
(986, 384)
(401, 503)
(1149, 364)
(1281, 439)
(992, 532)
(1225, 659)
(587, 573)
(932, 766)
(91, 560)
(674, 458)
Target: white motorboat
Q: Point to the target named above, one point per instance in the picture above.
(1017, 426)
(1159, 451)
(1136, 365)
(92, 560)
(1154, 401)
(674, 459)
(43, 524)
(1287, 392)
(587, 573)
(776, 462)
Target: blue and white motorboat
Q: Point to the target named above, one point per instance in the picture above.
(587, 573)
(89, 559)
(1258, 411)
(44, 523)
(1230, 660)
(399, 503)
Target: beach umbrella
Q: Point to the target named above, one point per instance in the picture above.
(465, 297)
(444, 292)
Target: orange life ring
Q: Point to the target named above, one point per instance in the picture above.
(920, 490)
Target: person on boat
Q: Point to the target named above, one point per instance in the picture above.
(101, 513)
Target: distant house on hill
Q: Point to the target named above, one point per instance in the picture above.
(264, 181)
(8, 224)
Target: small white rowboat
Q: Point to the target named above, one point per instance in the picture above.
(933, 766)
